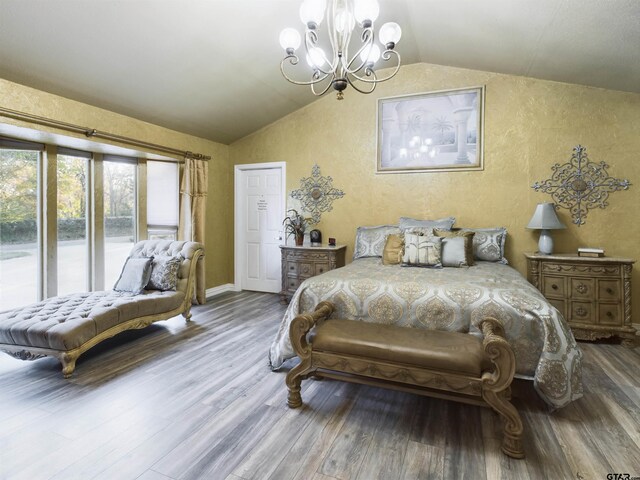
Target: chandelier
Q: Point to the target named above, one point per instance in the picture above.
(338, 70)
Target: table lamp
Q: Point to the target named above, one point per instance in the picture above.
(545, 219)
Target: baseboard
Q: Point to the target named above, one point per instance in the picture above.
(227, 287)
(637, 327)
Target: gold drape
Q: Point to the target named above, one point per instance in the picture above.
(193, 201)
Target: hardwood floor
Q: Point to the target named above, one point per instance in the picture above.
(177, 401)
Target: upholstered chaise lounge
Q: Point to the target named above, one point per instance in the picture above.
(67, 326)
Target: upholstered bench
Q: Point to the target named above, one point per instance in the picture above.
(450, 365)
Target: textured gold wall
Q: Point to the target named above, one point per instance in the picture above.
(219, 217)
(529, 125)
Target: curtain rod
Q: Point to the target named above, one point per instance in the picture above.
(93, 133)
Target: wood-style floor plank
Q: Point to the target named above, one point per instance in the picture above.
(423, 462)
(198, 401)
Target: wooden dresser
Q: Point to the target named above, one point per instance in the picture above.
(300, 263)
(593, 294)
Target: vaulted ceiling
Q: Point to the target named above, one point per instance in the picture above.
(211, 67)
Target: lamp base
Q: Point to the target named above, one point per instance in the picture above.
(545, 244)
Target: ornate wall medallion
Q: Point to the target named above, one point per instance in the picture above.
(316, 194)
(580, 185)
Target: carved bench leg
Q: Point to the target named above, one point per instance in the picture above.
(511, 443)
(68, 364)
(187, 315)
(294, 380)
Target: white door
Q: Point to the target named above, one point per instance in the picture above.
(259, 213)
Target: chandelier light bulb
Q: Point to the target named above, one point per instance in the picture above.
(366, 10)
(315, 57)
(370, 55)
(289, 39)
(312, 12)
(390, 34)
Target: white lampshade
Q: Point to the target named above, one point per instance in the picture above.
(289, 38)
(545, 218)
(366, 10)
(390, 32)
(370, 55)
(312, 11)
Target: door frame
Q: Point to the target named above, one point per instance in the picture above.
(239, 172)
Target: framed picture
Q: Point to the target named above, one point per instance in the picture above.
(431, 132)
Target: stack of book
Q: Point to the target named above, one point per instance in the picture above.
(590, 252)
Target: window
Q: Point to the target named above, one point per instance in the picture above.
(96, 212)
(73, 248)
(162, 200)
(120, 220)
(19, 226)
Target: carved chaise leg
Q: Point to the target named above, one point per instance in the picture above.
(496, 389)
(298, 330)
(68, 362)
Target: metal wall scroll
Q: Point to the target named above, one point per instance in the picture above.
(316, 194)
(580, 185)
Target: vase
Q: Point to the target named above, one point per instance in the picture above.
(299, 239)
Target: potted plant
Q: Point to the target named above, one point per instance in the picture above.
(295, 224)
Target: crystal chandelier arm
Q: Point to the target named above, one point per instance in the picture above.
(293, 60)
(386, 55)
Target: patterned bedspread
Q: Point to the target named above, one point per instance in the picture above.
(453, 299)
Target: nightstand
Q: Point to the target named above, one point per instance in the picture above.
(300, 263)
(593, 294)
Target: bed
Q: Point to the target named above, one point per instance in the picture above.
(453, 299)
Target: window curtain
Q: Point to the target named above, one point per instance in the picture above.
(193, 201)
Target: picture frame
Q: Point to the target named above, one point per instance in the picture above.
(420, 132)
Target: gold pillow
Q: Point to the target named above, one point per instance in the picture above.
(468, 240)
(393, 250)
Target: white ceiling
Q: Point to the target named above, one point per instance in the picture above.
(211, 67)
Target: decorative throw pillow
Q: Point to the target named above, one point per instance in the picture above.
(407, 223)
(422, 250)
(164, 274)
(454, 253)
(135, 275)
(468, 241)
(370, 240)
(393, 250)
(488, 244)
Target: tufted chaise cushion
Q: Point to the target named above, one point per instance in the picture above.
(64, 323)
(67, 322)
